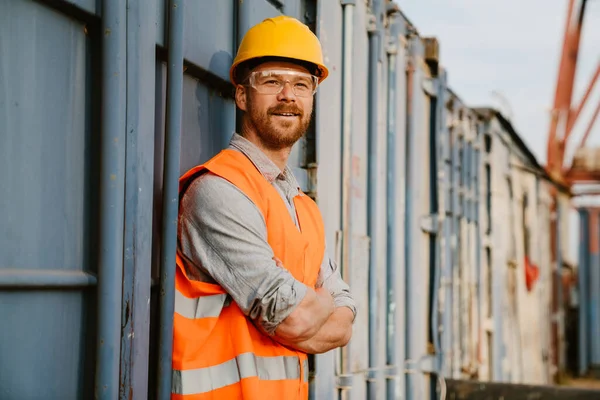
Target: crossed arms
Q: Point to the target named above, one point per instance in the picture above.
(225, 242)
(316, 325)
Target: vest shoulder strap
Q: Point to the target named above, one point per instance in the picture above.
(234, 167)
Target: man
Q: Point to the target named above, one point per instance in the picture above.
(256, 290)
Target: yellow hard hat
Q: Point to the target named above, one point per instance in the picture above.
(284, 37)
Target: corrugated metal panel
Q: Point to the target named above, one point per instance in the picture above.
(45, 155)
(461, 240)
(36, 127)
(209, 19)
(526, 307)
(471, 365)
(514, 348)
(543, 228)
(589, 300)
(519, 218)
(359, 264)
(359, 346)
(381, 215)
(399, 263)
(457, 241)
(447, 242)
(329, 172)
(485, 272)
(594, 283)
(417, 209)
(215, 20)
(207, 122)
(499, 249)
(135, 336)
(478, 196)
(529, 304)
(52, 324)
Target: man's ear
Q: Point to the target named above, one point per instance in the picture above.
(241, 97)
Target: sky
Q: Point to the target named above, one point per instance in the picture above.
(505, 54)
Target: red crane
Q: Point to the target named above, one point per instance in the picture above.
(565, 112)
(585, 168)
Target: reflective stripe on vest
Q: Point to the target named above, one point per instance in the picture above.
(202, 380)
(204, 307)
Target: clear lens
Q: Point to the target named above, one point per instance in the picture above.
(273, 81)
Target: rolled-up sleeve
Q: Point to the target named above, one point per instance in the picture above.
(331, 279)
(223, 234)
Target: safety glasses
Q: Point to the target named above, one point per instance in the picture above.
(272, 81)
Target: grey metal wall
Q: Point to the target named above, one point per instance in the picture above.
(47, 202)
(400, 167)
(329, 166)
(461, 249)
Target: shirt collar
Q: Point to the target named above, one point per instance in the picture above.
(267, 168)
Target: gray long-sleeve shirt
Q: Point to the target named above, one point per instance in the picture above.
(223, 239)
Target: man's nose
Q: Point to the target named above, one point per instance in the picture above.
(287, 93)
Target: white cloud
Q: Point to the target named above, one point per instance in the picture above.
(512, 47)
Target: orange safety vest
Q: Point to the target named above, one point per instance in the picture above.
(218, 353)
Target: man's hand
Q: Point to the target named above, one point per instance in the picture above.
(335, 332)
(310, 315)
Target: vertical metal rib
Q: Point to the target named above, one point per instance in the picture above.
(170, 195)
(372, 231)
(346, 189)
(112, 198)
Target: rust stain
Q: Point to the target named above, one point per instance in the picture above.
(113, 177)
(107, 32)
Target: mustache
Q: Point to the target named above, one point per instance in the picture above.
(293, 109)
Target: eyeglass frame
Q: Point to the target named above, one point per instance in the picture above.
(251, 81)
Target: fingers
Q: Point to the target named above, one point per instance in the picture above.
(278, 262)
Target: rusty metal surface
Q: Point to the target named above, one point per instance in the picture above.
(566, 112)
(564, 91)
(584, 99)
(471, 390)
